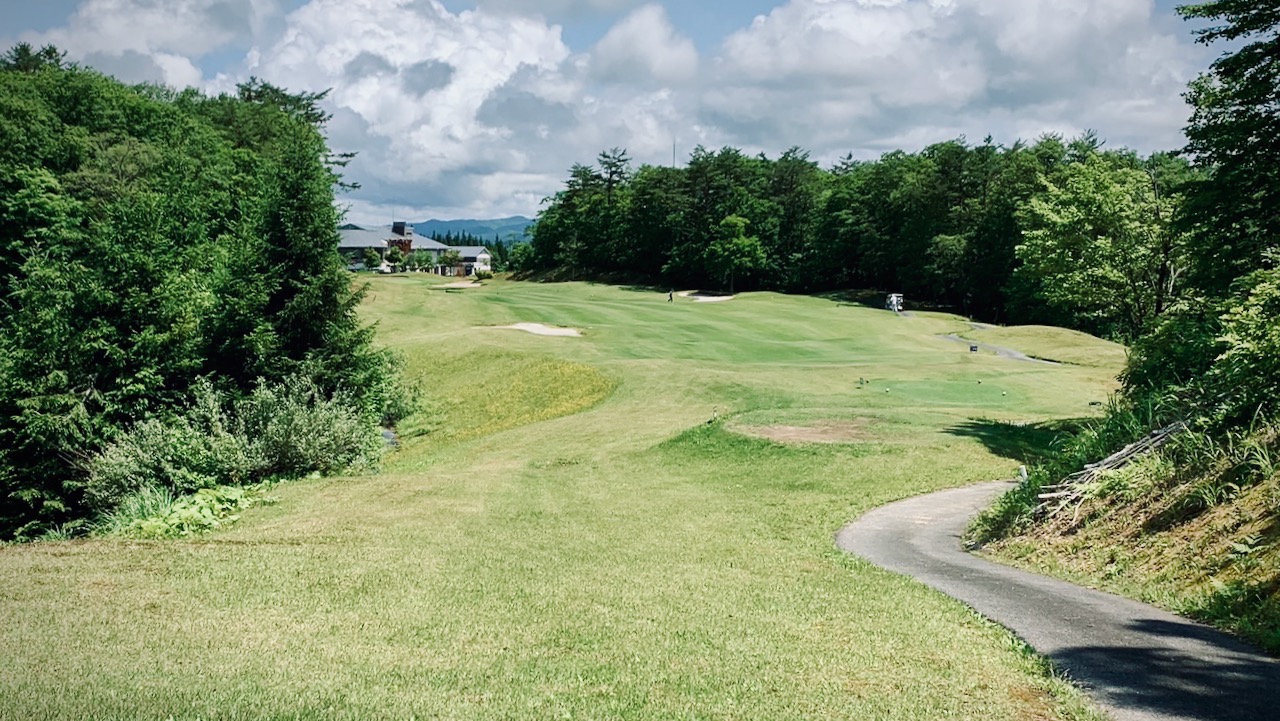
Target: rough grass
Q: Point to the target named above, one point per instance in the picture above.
(570, 531)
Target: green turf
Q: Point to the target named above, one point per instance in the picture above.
(572, 530)
(1055, 344)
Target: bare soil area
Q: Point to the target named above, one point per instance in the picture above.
(819, 432)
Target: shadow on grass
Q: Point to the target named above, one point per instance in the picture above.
(1250, 608)
(866, 298)
(1027, 443)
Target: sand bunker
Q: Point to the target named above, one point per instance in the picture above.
(818, 432)
(460, 284)
(542, 329)
(700, 297)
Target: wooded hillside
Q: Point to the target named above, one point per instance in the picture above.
(1197, 524)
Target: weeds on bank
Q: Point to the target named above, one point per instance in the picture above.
(1013, 512)
(157, 513)
(1194, 526)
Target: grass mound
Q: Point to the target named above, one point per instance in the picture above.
(489, 391)
(1054, 344)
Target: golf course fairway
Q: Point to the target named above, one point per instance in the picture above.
(581, 527)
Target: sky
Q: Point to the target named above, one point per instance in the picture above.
(477, 109)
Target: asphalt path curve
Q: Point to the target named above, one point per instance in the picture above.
(1138, 662)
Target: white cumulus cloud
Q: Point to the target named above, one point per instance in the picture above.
(158, 40)
(868, 75)
(481, 112)
(644, 47)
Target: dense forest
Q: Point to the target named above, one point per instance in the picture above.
(174, 313)
(1000, 233)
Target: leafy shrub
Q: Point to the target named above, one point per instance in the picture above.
(157, 513)
(484, 275)
(1170, 360)
(293, 429)
(1214, 364)
(1244, 381)
(198, 450)
(283, 430)
(387, 397)
(176, 456)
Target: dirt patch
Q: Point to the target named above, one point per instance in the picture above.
(460, 284)
(542, 329)
(700, 297)
(818, 432)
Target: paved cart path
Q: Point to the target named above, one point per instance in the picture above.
(999, 350)
(1138, 662)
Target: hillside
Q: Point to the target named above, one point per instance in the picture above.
(1194, 529)
(511, 228)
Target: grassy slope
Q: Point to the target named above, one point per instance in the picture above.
(564, 535)
(1149, 534)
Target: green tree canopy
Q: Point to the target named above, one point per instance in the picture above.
(1235, 132)
(1098, 244)
(733, 253)
(150, 240)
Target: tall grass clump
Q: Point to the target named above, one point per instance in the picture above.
(1121, 424)
(154, 513)
(1213, 468)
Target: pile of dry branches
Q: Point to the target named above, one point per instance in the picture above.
(1072, 490)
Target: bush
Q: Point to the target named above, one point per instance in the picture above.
(1244, 382)
(1215, 365)
(293, 430)
(387, 398)
(279, 431)
(190, 452)
(1169, 361)
(175, 456)
(157, 513)
(484, 275)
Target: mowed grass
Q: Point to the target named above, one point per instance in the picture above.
(570, 531)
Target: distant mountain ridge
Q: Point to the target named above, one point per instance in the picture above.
(503, 228)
